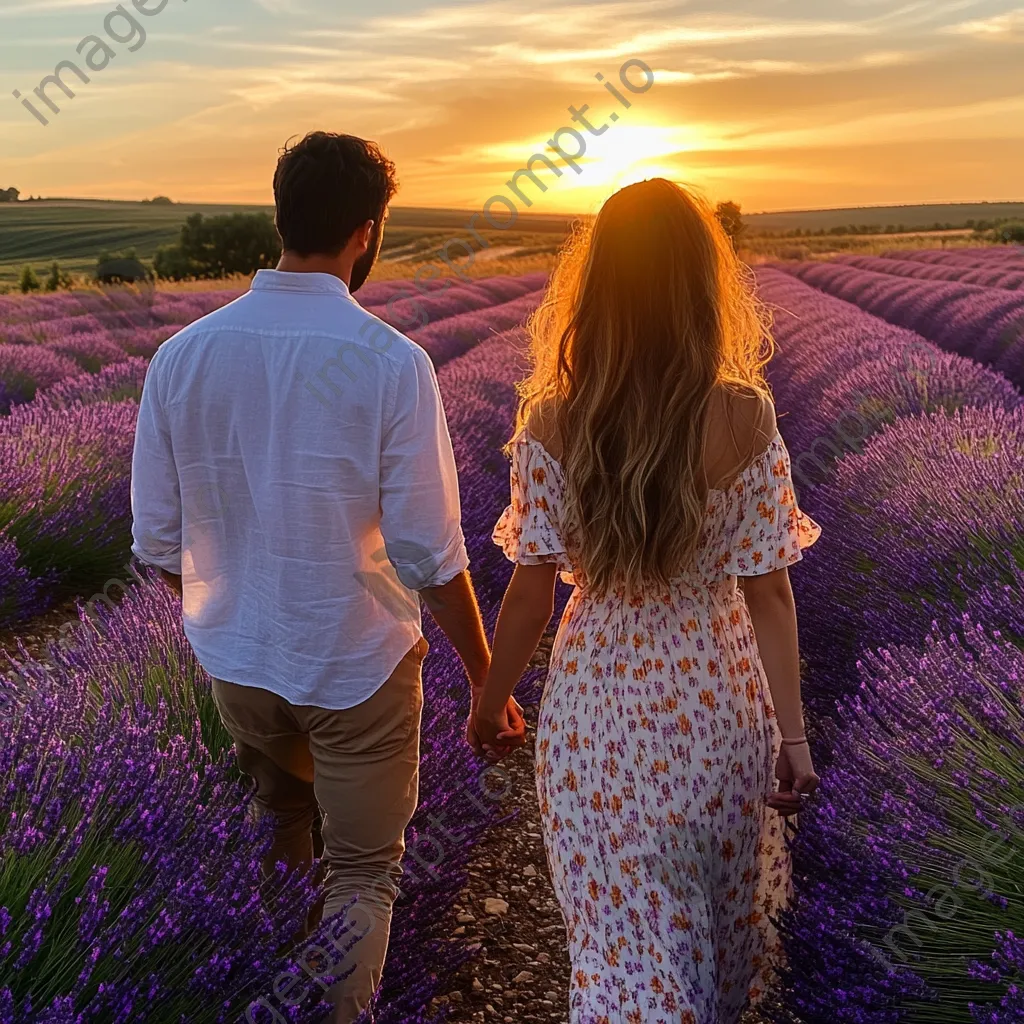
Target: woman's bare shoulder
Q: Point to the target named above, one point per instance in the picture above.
(741, 425)
(542, 423)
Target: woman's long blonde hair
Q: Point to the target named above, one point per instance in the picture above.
(649, 310)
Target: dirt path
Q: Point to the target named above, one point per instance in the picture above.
(521, 972)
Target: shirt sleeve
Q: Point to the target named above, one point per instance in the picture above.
(766, 529)
(156, 494)
(419, 487)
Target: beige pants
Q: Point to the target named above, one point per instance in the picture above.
(361, 766)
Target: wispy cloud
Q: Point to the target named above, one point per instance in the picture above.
(1002, 25)
(461, 92)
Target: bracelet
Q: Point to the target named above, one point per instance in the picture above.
(794, 742)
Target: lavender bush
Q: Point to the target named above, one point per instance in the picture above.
(24, 369)
(64, 501)
(135, 666)
(131, 886)
(988, 274)
(922, 515)
(984, 324)
(868, 375)
(909, 864)
(446, 339)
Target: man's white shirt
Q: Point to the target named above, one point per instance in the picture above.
(292, 462)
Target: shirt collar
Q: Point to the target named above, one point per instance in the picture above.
(280, 281)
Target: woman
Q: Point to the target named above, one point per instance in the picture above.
(647, 469)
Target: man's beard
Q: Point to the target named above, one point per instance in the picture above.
(362, 266)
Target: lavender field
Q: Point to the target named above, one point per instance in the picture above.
(130, 886)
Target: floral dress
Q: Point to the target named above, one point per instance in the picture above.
(656, 749)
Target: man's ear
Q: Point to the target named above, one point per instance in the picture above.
(365, 234)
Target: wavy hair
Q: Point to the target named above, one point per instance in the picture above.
(648, 312)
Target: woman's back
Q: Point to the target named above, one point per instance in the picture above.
(647, 468)
(743, 476)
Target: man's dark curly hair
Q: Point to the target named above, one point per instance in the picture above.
(327, 186)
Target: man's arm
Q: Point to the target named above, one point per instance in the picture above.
(454, 608)
(156, 497)
(421, 511)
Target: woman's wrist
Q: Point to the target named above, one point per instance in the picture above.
(486, 705)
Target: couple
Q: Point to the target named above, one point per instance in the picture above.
(646, 469)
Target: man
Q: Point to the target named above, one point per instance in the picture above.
(290, 516)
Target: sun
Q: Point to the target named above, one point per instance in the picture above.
(626, 154)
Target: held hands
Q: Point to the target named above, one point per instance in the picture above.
(797, 778)
(495, 736)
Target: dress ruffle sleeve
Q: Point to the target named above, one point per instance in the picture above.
(528, 531)
(765, 528)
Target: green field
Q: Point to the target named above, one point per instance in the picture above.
(911, 217)
(75, 231)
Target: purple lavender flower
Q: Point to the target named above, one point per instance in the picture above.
(66, 484)
(980, 323)
(113, 383)
(455, 335)
(26, 368)
(132, 868)
(905, 861)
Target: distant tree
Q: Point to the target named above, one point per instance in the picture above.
(172, 264)
(58, 278)
(731, 218)
(28, 282)
(159, 201)
(9, 195)
(1011, 234)
(237, 243)
(121, 268)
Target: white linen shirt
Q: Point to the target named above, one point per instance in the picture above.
(292, 462)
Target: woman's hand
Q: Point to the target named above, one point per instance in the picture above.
(797, 778)
(496, 735)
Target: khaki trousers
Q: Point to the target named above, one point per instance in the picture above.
(361, 766)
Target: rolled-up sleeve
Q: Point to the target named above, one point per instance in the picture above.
(156, 494)
(419, 487)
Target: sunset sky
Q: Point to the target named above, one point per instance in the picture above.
(778, 104)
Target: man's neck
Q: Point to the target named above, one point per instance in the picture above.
(337, 266)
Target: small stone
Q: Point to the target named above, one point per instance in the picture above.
(523, 947)
(460, 930)
(522, 978)
(530, 871)
(543, 958)
(495, 907)
(465, 918)
(456, 996)
(477, 985)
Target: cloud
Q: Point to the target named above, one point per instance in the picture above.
(461, 93)
(999, 27)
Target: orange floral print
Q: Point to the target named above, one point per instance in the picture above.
(656, 745)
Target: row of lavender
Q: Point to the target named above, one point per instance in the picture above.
(983, 324)
(64, 455)
(990, 256)
(1005, 274)
(46, 340)
(117, 791)
(908, 869)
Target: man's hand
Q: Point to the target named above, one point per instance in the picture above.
(496, 736)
